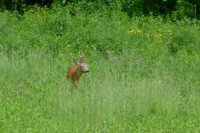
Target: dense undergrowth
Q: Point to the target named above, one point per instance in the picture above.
(144, 73)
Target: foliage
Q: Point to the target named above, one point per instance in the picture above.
(175, 8)
(184, 9)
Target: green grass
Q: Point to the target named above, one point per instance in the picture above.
(144, 73)
(35, 97)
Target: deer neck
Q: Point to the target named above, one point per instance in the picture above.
(79, 72)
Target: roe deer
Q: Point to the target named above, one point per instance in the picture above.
(74, 73)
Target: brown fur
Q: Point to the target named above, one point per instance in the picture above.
(74, 73)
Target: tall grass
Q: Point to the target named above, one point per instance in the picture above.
(36, 97)
(144, 74)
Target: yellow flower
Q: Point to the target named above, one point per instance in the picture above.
(135, 31)
(139, 31)
(132, 31)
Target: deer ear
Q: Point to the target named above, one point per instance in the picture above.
(80, 54)
(81, 59)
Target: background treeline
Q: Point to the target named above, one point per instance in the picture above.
(175, 8)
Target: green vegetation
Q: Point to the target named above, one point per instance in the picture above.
(144, 72)
(175, 8)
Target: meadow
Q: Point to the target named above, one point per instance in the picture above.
(144, 73)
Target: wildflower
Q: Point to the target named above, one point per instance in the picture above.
(135, 31)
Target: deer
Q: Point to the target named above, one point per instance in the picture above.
(74, 72)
